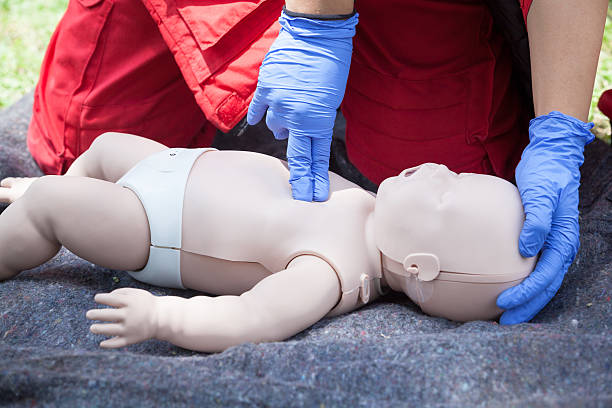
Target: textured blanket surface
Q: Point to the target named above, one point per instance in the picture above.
(386, 354)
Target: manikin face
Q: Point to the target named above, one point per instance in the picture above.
(470, 222)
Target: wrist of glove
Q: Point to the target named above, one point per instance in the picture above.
(547, 177)
(319, 16)
(548, 170)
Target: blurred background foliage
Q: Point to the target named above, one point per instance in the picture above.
(603, 80)
(26, 26)
(25, 29)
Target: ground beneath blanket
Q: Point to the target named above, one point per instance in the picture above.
(386, 354)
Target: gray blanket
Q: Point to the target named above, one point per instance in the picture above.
(386, 354)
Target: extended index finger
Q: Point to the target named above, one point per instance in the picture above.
(299, 159)
(320, 167)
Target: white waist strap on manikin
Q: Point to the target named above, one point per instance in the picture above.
(159, 181)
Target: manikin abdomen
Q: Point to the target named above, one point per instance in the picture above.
(238, 207)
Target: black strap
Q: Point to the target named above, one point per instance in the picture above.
(508, 18)
(319, 16)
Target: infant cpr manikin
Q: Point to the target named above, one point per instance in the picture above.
(448, 241)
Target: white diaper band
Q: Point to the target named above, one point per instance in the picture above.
(159, 181)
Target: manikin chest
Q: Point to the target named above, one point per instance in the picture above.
(238, 216)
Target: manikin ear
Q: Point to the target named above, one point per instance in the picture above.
(423, 266)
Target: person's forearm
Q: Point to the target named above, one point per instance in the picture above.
(322, 7)
(564, 41)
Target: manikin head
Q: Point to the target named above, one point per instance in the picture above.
(450, 241)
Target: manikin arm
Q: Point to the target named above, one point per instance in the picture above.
(278, 307)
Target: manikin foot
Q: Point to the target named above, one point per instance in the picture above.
(11, 188)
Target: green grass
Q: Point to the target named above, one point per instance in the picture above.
(603, 81)
(26, 26)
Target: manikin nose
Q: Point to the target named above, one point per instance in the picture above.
(409, 172)
(424, 169)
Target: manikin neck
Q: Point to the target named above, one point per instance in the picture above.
(370, 238)
(388, 279)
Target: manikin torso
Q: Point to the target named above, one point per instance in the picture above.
(240, 226)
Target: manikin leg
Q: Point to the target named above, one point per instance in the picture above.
(97, 220)
(108, 158)
(111, 155)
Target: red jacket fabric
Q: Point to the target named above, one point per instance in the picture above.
(111, 65)
(525, 5)
(447, 97)
(175, 70)
(219, 48)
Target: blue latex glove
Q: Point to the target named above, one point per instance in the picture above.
(301, 83)
(547, 177)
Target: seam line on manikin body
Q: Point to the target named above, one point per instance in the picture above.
(165, 247)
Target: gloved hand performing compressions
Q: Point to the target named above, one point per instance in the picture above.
(301, 85)
(548, 178)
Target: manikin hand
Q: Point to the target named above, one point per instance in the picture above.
(12, 188)
(301, 84)
(548, 178)
(133, 318)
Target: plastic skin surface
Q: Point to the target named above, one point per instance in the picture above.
(279, 265)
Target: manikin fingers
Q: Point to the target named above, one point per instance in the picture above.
(108, 329)
(110, 299)
(125, 291)
(115, 342)
(106, 315)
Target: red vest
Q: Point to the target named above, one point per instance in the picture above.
(441, 91)
(108, 68)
